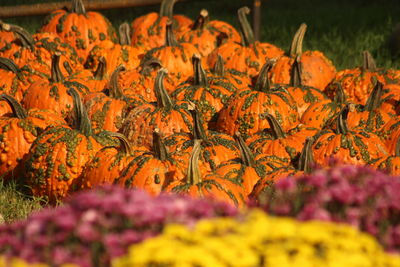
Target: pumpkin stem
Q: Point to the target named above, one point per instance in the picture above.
(150, 64)
(219, 68)
(115, 91)
(158, 146)
(306, 159)
(198, 130)
(17, 109)
(201, 20)
(276, 128)
(263, 83)
(81, 118)
(163, 99)
(170, 36)
(167, 8)
(375, 98)
(56, 74)
(295, 76)
(25, 37)
(342, 126)
(340, 97)
(247, 155)
(296, 47)
(124, 34)
(368, 62)
(125, 146)
(200, 75)
(78, 7)
(100, 73)
(8, 65)
(246, 30)
(194, 175)
(397, 148)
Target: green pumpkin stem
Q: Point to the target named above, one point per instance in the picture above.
(276, 128)
(81, 118)
(170, 36)
(201, 20)
(340, 97)
(124, 34)
(246, 30)
(148, 65)
(159, 147)
(125, 146)
(78, 7)
(100, 73)
(8, 65)
(219, 67)
(342, 126)
(56, 74)
(25, 37)
(306, 159)
(368, 62)
(296, 47)
(263, 83)
(115, 91)
(247, 156)
(200, 75)
(194, 175)
(17, 109)
(198, 130)
(375, 98)
(397, 148)
(295, 75)
(163, 99)
(167, 8)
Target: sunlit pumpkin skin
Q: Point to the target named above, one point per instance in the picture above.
(391, 98)
(207, 35)
(317, 70)
(390, 133)
(7, 36)
(19, 129)
(391, 164)
(82, 30)
(249, 56)
(59, 154)
(148, 30)
(246, 108)
(202, 183)
(52, 93)
(167, 115)
(209, 93)
(174, 56)
(348, 145)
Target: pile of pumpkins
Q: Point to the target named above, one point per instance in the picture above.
(174, 105)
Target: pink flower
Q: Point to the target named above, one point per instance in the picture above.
(286, 184)
(87, 233)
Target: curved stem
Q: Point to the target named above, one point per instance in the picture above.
(149, 65)
(193, 176)
(341, 121)
(8, 65)
(201, 20)
(170, 36)
(163, 99)
(124, 34)
(167, 8)
(263, 83)
(296, 47)
(25, 37)
(375, 98)
(17, 109)
(158, 146)
(200, 75)
(81, 118)
(295, 75)
(368, 62)
(247, 156)
(306, 159)
(198, 130)
(78, 7)
(219, 67)
(340, 96)
(247, 31)
(125, 146)
(397, 148)
(115, 91)
(100, 73)
(56, 74)
(276, 128)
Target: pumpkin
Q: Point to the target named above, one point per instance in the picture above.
(149, 31)
(316, 69)
(202, 183)
(244, 112)
(19, 130)
(167, 115)
(82, 30)
(58, 155)
(6, 34)
(250, 55)
(391, 163)
(207, 35)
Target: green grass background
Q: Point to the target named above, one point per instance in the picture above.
(341, 29)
